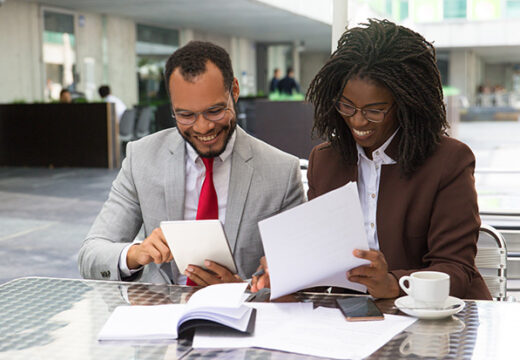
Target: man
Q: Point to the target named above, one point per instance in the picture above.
(273, 85)
(163, 175)
(288, 84)
(106, 94)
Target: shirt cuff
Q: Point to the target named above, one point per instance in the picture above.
(123, 266)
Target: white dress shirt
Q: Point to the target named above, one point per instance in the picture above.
(369, 175)
(119, 105)
(195, 173)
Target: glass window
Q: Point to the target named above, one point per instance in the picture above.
(512, 8)
(403, 9)
(59, 53)
(454, 9)
(154, 46)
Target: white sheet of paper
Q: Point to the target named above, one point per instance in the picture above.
(219, 295)
(297, 328)
(326, 333)
(268, 318)
(311, 244)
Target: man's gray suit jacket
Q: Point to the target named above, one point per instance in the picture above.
(264, 181)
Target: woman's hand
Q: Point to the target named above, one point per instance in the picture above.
(261, 281)
(375, 276)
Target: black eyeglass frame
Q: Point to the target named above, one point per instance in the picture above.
(195, 115)
(363, 111)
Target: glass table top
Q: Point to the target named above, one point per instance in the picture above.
(45, 318)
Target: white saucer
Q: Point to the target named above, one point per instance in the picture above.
(406, 305)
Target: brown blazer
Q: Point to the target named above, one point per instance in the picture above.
(429, 221)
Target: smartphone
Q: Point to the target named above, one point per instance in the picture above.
(359, 308)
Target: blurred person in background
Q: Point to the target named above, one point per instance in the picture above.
(288, 84)
(65, 96)
(106, 94)
(273, 85)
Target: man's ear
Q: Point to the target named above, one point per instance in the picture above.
(236, 90)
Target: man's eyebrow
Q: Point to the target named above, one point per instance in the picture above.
(372, 104)
(222, 104)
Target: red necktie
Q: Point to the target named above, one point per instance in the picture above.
(208, 202)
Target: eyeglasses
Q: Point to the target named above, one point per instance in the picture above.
(214, 113)
(372, 115)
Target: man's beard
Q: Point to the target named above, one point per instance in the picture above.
(232, 126)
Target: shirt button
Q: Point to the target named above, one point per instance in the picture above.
(373, 196)
(377, 152)
(372, 225)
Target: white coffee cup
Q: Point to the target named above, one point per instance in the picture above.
(428, 289)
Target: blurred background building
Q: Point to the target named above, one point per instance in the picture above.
(49, 45)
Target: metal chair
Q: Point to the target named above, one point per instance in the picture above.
(143, 122)
(127, 125)
(126, 129)
(491, 260)
(304, 164)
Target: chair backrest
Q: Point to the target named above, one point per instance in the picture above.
(304, 164)
(491, 260)
(127, 125)
(143, 122)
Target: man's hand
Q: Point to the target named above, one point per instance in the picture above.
(263, 280)
(375, 276)
(153, 248)
(218, 274)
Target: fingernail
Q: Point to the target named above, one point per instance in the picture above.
(207, 263)
(190, 269)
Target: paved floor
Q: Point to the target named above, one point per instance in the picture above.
(46, 213)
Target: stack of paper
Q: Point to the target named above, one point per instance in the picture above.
(296, 327)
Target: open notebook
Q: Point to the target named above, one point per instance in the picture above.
(213, 306)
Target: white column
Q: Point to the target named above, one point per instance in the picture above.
(185, 36)
(296, 60)
(339, 21)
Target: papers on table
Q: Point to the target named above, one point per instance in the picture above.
(311, 244)
(296, 327)
(222, 304)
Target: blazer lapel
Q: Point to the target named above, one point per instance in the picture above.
(239, 183)
(174, 186)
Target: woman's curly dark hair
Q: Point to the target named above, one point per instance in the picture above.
(402, 61)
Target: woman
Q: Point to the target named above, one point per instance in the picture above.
(378, 101)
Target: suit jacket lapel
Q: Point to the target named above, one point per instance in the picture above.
(174, 186)
(239, 183)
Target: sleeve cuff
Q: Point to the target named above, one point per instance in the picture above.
(124, 271)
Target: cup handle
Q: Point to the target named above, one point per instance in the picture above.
(406, 346)
(401, 284)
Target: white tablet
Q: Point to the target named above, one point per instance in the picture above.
(193, 241)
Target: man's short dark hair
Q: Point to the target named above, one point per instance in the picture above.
(192, 59)
(63, 91)
(289, 70)
(104, 90)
